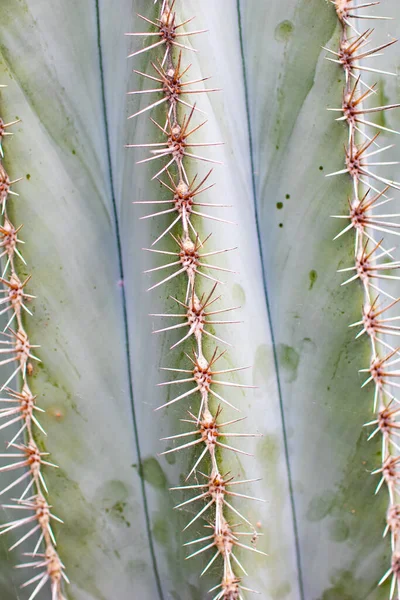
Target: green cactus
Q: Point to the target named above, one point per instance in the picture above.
(254, 235)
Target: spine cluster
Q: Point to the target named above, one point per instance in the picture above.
(195, 312)
(20, 407)
(373, 263)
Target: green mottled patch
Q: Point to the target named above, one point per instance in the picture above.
(283, 31)
(114, 495)
(320, 506)
(152, 472)
(289, 360)
(344, 586)
(262, 359)
(282, 591)
(339, 531)
(81, 534)
(268, 449)
(380, 117)
(238, 295)
(161, 529)
(170, 458)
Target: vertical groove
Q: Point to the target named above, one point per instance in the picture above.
(124, 309)
(268, 308)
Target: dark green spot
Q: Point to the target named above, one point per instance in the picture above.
(321, 168)
(313, 276)
(283, 31)
(114, 499)
(280, 224)
(289, 359)
(153, 473)
(279, 205)
(73, 152)
(287, 196)
(117, 511)
(28, 176)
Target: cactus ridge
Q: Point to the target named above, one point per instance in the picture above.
(21, 409)
(213, 491)
(373, 264)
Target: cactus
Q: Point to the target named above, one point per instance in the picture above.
(294, 428)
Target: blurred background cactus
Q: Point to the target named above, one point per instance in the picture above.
(67, 79)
